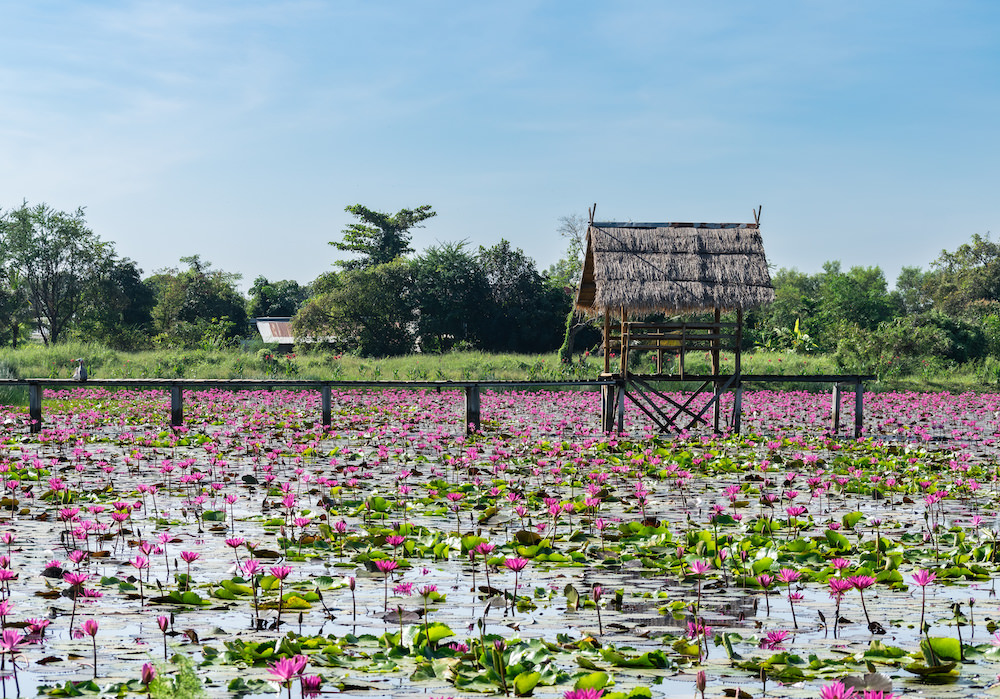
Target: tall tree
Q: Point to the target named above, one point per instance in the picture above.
(525, 313)
(118, 307)
(450, 292)
(276, 299)
(378, 237)
(57, 256)
(960, 280)
(369, 310)
(189, 302)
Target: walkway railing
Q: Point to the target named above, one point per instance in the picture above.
(612, 403)
(178, 386)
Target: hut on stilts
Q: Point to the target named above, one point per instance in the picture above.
(634, 270)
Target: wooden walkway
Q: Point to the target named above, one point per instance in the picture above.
(640, 389)
(176, 387)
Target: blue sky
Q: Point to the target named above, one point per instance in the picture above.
(239, 130)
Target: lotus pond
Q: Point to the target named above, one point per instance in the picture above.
(253, 552)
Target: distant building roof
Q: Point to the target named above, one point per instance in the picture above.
(279, 330)
(275, 330)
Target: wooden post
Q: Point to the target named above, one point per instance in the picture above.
(324, 393)
(738, 408)
(739, 342)
(835, 409)
(624, 343)
(859, 407)
(176, 406)
(716, 344)
(472, 408)
(607, 408)
(607, 342)
(717, 407)
(620, 400)
(35, 407)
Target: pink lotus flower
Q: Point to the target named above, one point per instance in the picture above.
(287, 668)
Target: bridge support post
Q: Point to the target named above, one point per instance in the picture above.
(324, 393)
(35, 407)
(176, 406)
(472, 409)
(835, 410)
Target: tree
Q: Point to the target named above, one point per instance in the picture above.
(524, 314)
(449, 291)
(858, 296)
(379, 238)
(961, 279)
(911, 289)
(276, 299)
(566, 272)
(190, 302)
(369, 310)
(14, 308)
(56, 256)
(118, 306)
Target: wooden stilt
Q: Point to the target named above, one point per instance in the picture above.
(835, 410)
(472, 414)
(324, 393)
(608, 408)
(624, 343)
(176, 406)
(859, 408)
(35, 407)
(607, 344)
(620, 405)
(738, 409)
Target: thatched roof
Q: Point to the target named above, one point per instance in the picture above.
(673, 267)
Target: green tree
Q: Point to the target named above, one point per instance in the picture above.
(193, 302)
(911, 288)
(858, 296)
(118, 306)
(56, 256)
(449, 292)
(276, 299)
(960, 280)
(378, 237)
(368, 310)
(525, 314)
(15, 311)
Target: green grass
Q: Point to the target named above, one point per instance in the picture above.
(38, 361)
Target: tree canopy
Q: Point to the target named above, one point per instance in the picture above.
(379, 237)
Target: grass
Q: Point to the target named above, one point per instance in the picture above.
(256, 361)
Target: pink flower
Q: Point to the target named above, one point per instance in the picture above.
(788, 576)
(700, 567)
(837, 690)
(147, 674)
(515, 564)
(287, 668)
(311, 685)
(773, 640)
(190, 556)
(386, 565)
(923, 578)
(90, 627)
(861, 582)
(281, 572)
(584, 694)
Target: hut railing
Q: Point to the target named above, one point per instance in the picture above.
(672, 339)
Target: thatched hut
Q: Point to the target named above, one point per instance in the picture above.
(634, 269)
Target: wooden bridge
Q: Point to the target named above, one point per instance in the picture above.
(647, 394)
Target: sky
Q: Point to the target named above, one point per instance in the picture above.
(239, 130)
